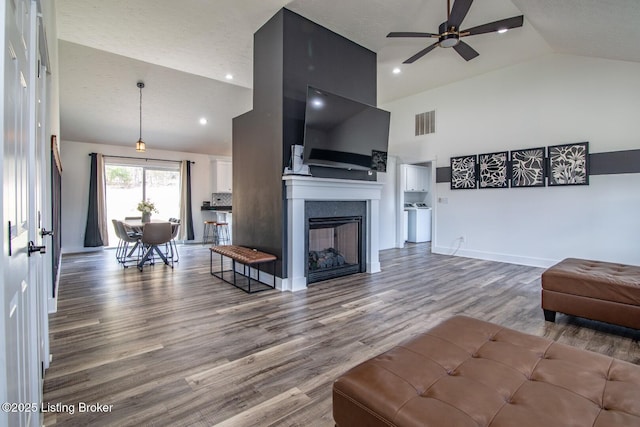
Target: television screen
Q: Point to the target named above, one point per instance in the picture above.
(343, 133)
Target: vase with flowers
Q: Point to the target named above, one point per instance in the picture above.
(146, 207)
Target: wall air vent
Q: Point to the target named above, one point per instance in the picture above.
(426, 123)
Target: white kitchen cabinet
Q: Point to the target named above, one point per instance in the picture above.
(222, 176)
(416, 178)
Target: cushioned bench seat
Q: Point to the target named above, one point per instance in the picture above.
(248, 258)
(596, 290)
(467, 372)
(243, 254)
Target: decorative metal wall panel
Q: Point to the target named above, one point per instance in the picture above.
(493, 170)
(463, 172)
(527, 167)
(569, 164)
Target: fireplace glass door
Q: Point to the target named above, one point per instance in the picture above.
(335, 247)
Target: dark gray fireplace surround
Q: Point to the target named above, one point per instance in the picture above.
(290, 53)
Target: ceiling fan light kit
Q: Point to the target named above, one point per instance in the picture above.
(449, 33)
(447, 38)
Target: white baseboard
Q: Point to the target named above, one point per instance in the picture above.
(80, 249)
(293, 285)
(373, 267)
(52, 305)
(491, 256)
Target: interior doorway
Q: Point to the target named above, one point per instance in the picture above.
(416, 203)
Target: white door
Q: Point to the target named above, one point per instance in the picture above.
(20, 381)
(40, 281)
(44, 279)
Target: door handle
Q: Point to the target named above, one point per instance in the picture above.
(44, 232)
(33, 248)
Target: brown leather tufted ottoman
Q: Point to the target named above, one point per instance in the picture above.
(593, 289)
(467, 372)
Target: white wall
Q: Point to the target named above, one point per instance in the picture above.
(552, 100)
(388, 202)
(75, 186)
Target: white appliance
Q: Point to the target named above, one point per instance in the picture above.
(419, 221)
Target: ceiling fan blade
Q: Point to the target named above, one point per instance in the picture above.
(466, 51)
(410, 34)
(491, 27)
(422, 53)
(458, 12)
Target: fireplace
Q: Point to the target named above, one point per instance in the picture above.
(329, 203)
(335, 241)
(335, 247)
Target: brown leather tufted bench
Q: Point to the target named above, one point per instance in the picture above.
(467, 372)
(593, 289)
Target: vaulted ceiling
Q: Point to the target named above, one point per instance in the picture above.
(183, 51)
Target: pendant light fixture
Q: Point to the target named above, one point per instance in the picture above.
(140, 146)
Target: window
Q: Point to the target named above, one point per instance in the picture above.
(128, 183)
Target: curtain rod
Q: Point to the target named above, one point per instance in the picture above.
(144, 158)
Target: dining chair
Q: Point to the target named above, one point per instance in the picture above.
(175, 227)
(153, 235)
(126, 254)
(120, 241)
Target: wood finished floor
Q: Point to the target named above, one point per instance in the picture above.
(182, 348)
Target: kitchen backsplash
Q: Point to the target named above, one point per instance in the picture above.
(221, 199)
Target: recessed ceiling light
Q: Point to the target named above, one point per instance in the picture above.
(203, 121)
(502, 30)
(229, 76)
(317, 103)
(397, 70)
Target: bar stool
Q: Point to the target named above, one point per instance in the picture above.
(209, 232)
(222, 234)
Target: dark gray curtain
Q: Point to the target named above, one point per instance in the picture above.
(189, 218)
(92, 236)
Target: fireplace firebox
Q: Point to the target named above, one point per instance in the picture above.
(334, 247)
(335, 239)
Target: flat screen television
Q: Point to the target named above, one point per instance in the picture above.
(342, 133)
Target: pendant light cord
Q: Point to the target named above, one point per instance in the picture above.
(140, 86)
(140, 146)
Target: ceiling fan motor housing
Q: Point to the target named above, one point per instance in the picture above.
(449, 37)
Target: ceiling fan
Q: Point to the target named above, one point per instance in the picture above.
(449, 33)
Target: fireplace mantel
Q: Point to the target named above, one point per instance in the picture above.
(302, 188)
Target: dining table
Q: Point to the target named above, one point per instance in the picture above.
(137, 226)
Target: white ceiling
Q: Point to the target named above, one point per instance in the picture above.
(183, 50)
